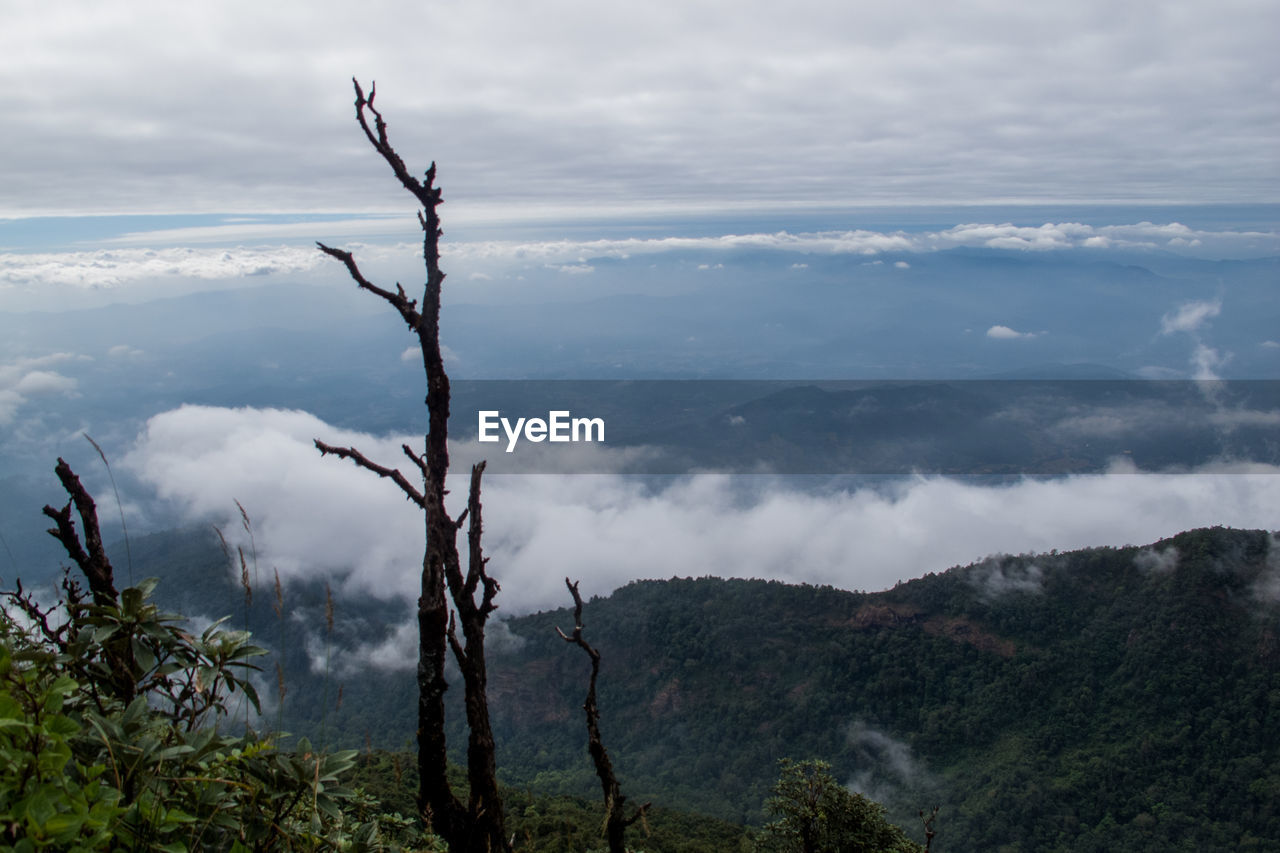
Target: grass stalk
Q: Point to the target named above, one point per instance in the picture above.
(328, 647)
(128, 552)
(277, 604)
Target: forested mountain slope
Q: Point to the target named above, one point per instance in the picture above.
(1110, 698)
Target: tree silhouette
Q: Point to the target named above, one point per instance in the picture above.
(476, 825)
(616, 820)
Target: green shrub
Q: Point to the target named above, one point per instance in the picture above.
(82, 770)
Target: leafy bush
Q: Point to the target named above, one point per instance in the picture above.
(816, 814)
(83, 769)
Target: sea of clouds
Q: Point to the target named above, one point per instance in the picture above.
(323, 518)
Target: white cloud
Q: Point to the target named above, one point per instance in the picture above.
(25, 377)
(1007, 236)
(1004, 333)
(1206, 362)
(324, 517)
(1000, 576)
(572, 269)
(12, 371)
(395, 652)
(45, 382)
(1063, 236)
(114, 268)
(265, 459)
(1157, 562)
(1189, 317)
(173, 267)
(882, 764)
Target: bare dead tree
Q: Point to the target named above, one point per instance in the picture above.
(477, 825)
(929, 831)
(91, 558)
(616, 821)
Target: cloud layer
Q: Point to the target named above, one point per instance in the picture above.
(24, 274)
(114, 268)
(320, 517)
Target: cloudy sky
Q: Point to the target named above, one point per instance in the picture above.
(188, 124)
(562, 107)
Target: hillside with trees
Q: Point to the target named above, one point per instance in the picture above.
(1100, 699)
(1108, 698)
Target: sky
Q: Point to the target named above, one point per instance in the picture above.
(578, 109)
(153, 149)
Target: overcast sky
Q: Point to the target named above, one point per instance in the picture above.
(137, 106)
(564, 109)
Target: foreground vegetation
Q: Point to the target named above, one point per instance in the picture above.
(82, 771)
(85, 770)
(120, 730)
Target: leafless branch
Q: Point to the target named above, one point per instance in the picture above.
(399, 300)
(616, 822)
(362, 461)
(92, 560)
(929, 831)
(427, 195)
(417, 459)
(91, 557)
(25, 602)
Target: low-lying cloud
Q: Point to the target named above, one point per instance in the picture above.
(1050, 236)
(1004, 333)
(1189, 316)
(1156, 562)
(24, 378)
(318, 517)
(884, 766)
(117, 268)
(1267, 588)
(997, 577)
